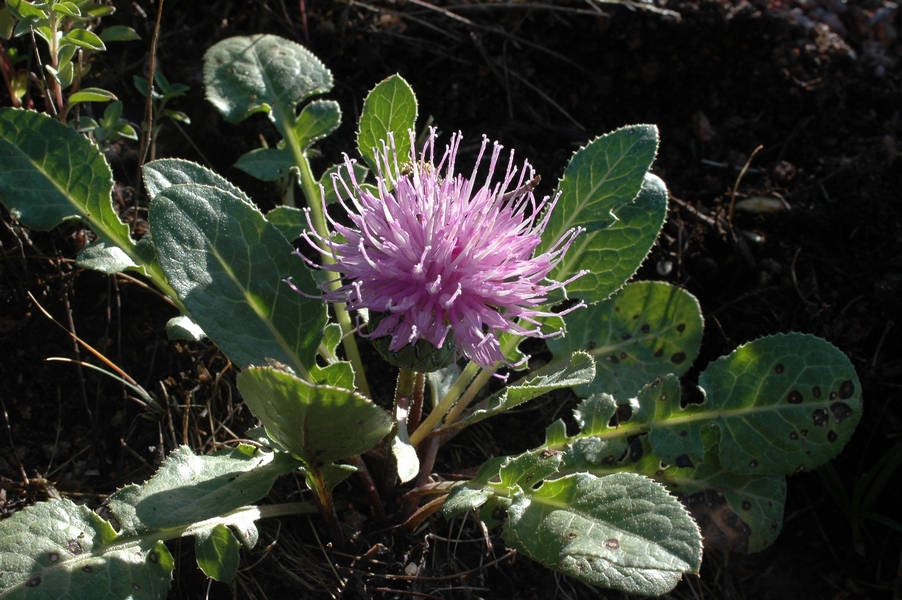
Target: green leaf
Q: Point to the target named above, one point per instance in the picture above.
(183, 328)
(389, 110)
(25, 10)
(472, 494)
(165, 172)
(83, 39)
(623, 531)
(249, 74)
(50, 174)
(601, 181)
(318, 424)
(782, 404)
(317, 120)
(267, 164)
(68, 9)
(599, 441)
(579, 370)
(216, 549)
(647, 330)
(92, 95)
(119, 33)
(189, 488)
(289, 220)
(102, 257)
(58, 549)
(736, 513)
(227, 264)
(613, 255)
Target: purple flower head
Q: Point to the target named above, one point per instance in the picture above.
(438, 253)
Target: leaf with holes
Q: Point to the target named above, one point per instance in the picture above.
(227, 263)
(390, 109)
(58, 549)
(607, 190)
(248, 74)
(782, 404)
(736, 513)
(623, 531)
(647, 330)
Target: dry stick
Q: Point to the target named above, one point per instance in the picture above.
(736, 185)
(148, 108)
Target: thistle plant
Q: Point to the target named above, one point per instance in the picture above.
(445, 274)
(446, 260)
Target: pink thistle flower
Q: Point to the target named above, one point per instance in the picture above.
(439, 255)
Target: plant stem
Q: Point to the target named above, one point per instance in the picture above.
(434, 417)
(317, 215)
(416, 406)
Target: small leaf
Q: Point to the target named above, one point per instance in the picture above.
(189, 488)
(102, 257)
(92, 95)
(579, 370)
(622, 531)
(472, 494)
(389, 110)
(647, 330)
(289, 220)
(267, 164)
(83, 39)
(68, 9)
(119, 33)
(317, 120)
(318, 424)
(216, 549)
(249, 74)
(183, 328)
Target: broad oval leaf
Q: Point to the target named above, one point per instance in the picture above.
(783, 404)
(389, 110)
(227, 264)
(622, 531)
(318, 424)
(248, 74)
(50, 173)
(58, 549)
(647, 330)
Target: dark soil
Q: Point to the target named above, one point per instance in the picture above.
(816, 83)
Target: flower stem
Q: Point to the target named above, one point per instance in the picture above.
(442, 408)
(317, 215)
